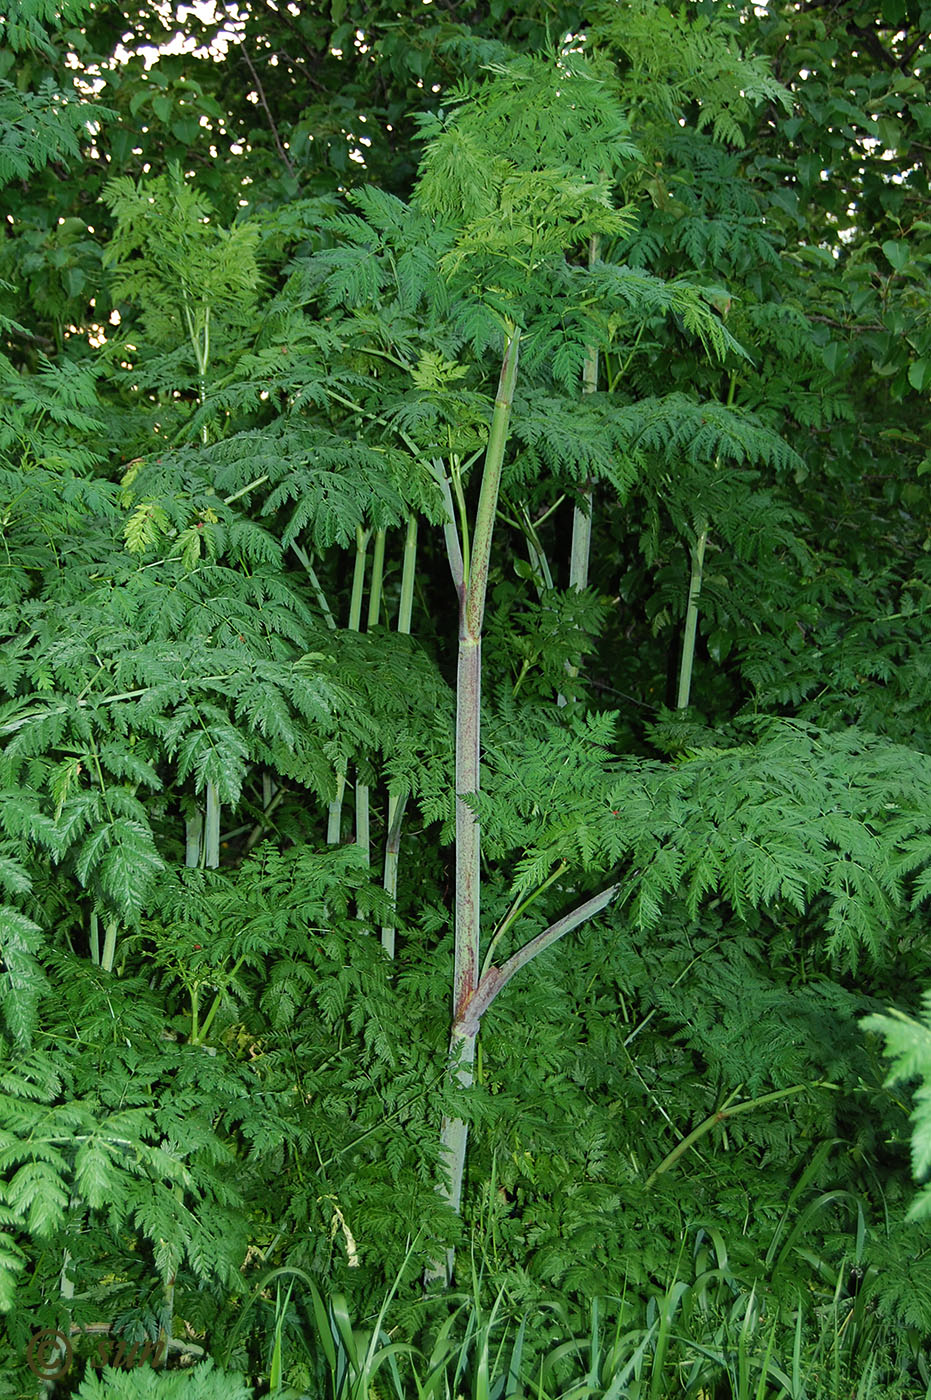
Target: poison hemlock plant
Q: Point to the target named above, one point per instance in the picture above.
(233, 1077)
(515, 215)
(462, 184)
(188, 274)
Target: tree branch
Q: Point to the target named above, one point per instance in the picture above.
(264, 105)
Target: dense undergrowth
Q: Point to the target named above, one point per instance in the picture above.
(385, 1020)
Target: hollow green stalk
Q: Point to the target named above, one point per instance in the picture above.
(398, 801)
(691, 620)
(720, 1115)
(316, 585)
(272, 796)
(200, 343)
(112, 926)
(408, 574)
(518, 907)
(536, 554)
(455, 474)
(109, 945)
(581, 546)
(450, 533)
(199, 1035)
(202, 841)
(696, 575)
(454, 1131)
(334, 820)
(378, 573)
(363, 837)
(211, 852)
(335, 812)
(363, 832)
(193, 836)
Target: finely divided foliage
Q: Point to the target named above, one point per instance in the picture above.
(628, 944)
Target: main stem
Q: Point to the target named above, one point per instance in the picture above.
(469, 691)
(454, 1131)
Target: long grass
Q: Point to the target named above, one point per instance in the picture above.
(710, 1337)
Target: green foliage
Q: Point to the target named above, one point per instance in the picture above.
(164, 244)
(39, 127)
(167, 256)
(908, 1045)
(44, 125)
(71, 1154)
(676, 57)
(221, 1099)
(201, 1382)
(794, 817)
(517, 188)
(28, 27)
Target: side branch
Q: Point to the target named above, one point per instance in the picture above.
(496, 978)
